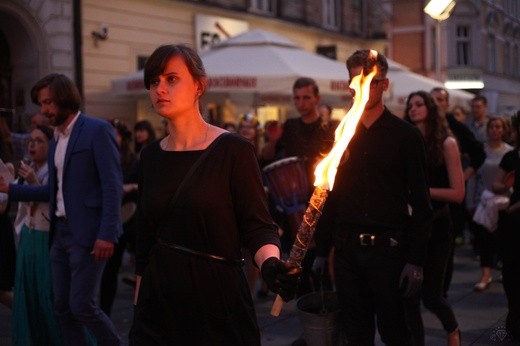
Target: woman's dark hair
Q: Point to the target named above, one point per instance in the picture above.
(47, 131)
(436, 127)
(144, 125)
(156, 63)
(64, 92)
(125, 150)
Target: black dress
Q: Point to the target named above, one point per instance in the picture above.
(188, 300)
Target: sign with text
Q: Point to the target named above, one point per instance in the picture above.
(210, 30)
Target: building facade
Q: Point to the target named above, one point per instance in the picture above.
(97, 41)
(479, 44)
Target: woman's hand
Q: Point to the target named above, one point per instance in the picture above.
(27, 173)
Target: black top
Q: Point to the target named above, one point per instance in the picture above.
(385, 171)
(311, 141)
(511, 162)
(222, 209)
(469, 145)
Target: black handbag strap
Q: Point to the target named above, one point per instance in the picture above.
(188, 177)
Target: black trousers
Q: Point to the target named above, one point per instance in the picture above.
(440, 247)
(367, 283)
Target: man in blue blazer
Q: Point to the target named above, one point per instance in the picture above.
(84, 191)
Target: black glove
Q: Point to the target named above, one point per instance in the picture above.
(411, 280)
(281, 277)
(319, 266)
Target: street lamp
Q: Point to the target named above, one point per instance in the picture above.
(439, 10)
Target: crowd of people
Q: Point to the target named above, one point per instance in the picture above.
(203, 216)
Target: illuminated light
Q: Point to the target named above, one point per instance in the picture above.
(439, 9)
(325, 172)
(464, 84)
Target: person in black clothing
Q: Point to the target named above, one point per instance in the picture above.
(303, 137)
(472, 155)
(377, 218)
(508, 232)
(201, 200)
(446, 183)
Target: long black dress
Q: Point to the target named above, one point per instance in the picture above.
(187, 300)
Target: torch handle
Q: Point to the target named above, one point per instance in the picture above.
(303, 237)
(276, 309)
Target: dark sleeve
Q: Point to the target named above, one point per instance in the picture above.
(255, 224)
(419, 196)
(467, 142)
(29, 193)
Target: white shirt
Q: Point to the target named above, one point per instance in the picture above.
(62, 139)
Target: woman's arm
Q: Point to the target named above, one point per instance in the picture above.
(454, 193)
(499, 185)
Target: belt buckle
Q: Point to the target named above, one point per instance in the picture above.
(366, 239)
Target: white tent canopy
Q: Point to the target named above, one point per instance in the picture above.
(259, 62)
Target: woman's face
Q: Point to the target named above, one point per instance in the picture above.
(459, 115)
(141, 136)
(174, 92)
(38, 145)
(247, 129)
(417, 110)
(495, 130)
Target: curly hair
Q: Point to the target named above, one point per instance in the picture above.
(436, 128)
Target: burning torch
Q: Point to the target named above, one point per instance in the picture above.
(326, 170)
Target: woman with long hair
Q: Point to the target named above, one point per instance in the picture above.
(446, 186)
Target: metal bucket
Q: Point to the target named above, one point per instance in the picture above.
(319, 313)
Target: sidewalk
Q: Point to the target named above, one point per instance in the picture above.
(481, 315)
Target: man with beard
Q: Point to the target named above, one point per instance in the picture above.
(84, 192)
(377, 218)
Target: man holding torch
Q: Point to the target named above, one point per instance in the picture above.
(377, 216)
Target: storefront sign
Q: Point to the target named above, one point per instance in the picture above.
(210, 30)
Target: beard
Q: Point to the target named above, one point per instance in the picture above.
(59, 118)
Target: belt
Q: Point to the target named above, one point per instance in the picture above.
(199, 254)
(368, 239)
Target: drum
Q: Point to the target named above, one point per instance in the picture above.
(287, 184)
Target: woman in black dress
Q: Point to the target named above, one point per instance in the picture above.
(446, 181)
(201, 200)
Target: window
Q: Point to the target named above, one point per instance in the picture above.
(491, 53)
(463, 46)
(331, 11)
(264, 6)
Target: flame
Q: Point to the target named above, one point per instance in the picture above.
(325, 171)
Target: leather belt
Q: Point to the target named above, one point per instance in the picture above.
(390, 239)
(199, 254)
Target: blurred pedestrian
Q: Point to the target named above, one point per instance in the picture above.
(446, 184)
(472, 157)
(377, 217)
(306, 138)
(83, 162)
(495, 147)
(201, 201)
(508, 177)
(34, 322)
(129, 164)
(144, 134)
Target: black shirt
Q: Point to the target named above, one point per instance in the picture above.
(384, 173)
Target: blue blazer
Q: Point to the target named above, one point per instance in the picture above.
(92, 183)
